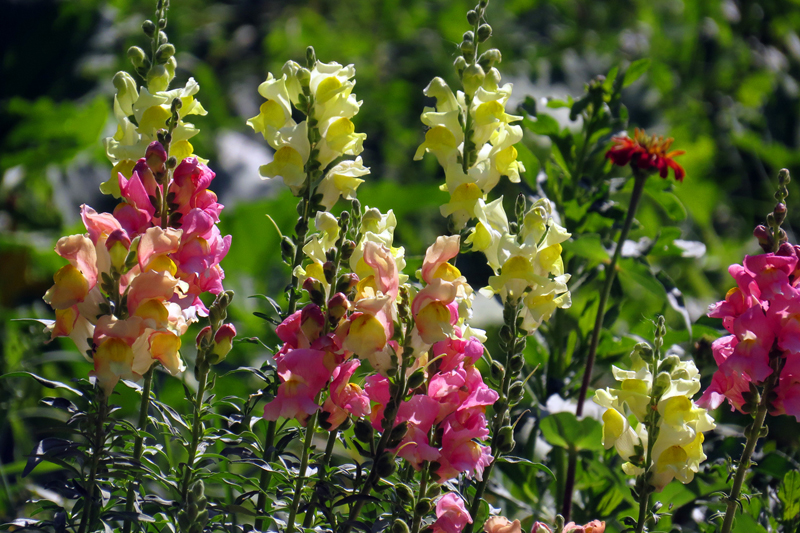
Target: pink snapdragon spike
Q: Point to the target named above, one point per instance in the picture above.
(451, 515)
(161, 290)
(762, 313)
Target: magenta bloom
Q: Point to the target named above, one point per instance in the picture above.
(451, 515)
(345, 398)
(763, 314)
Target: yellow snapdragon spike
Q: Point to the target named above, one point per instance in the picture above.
(154, 119)
(441, 142)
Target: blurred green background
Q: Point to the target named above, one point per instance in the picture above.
(724, 82)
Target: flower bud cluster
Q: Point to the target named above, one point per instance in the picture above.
(762, 315)
(666, 440)
(305, 150)
(527, 265)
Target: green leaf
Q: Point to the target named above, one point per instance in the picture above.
(587, 246)
(789, 494)
(542, 124)
(635, 71)
(640, 274)
(566, 431)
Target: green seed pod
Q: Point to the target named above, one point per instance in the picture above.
(149, 28)
(489, 58)
(399, 526)
(516, 363)
(304, 77)
(505, 439)
(468, 36)
(404, 492)
(434, 491)
(157, 79)
(467, 49)
(484, 32)
(386, 465)
(497, 372)
(423, 507)
(397, 435)
(363, 431)
(669, 363)
(472, 17)
(516, 391)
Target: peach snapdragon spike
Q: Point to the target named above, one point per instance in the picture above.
(133, 285)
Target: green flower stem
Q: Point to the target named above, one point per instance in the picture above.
(197, 428)
(752, 434)
(397, 399)
(638, 188)
(98, 443)
(323, 475)
(301, 474)
(497, 424)
(466, 156)
(423, 488)
(651, 423)
(266, 477)
(138, 445)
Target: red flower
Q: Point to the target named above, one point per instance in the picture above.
(647, 153)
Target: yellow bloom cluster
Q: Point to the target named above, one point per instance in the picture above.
(482, 114)
(324, 95)
(653, 422)
(140, 113)
(527, 265)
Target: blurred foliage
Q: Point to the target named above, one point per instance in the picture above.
(723, 80)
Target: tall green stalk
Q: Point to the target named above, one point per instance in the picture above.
(98, 444)
(638, 188)
(138, 445)
(301, 473)
(197, 428)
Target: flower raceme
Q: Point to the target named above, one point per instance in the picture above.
(324, 94)
(648, 153)
(493, 137)
(133, 286)
(678, 447)
(762, 315)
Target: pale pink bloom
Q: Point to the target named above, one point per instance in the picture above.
(451, 515)
(303, 375)
(113, 354)
(455, 351)
(157, 242)
(540, 527)
(98, 224)
(81, 253)
(501, 524)
(734, 304)
(345, 398)
(415, 448)
(595, 526)
(380, 258)
(788, 400)
(377, 388)
(439, 253)
(434, 316)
